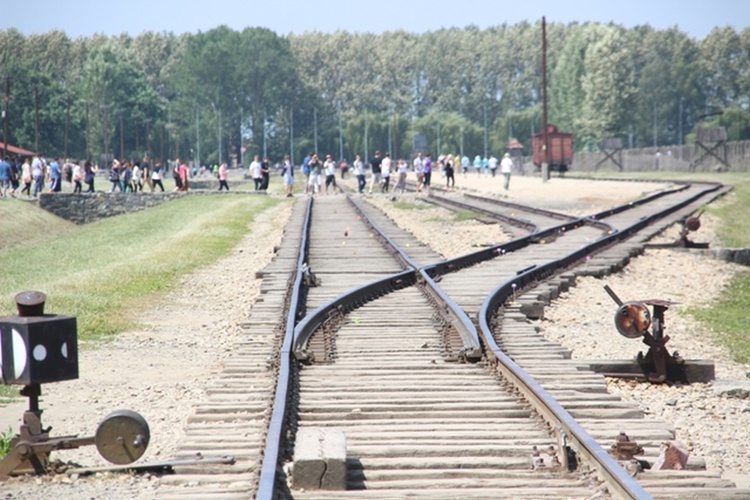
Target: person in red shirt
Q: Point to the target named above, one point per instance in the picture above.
(184, 176)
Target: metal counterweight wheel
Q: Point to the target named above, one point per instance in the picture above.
(122, 437)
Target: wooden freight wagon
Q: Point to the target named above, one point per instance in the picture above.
(560, 150)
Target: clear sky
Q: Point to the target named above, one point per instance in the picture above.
(112, 17)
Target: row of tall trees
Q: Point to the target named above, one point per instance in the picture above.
(226, 93)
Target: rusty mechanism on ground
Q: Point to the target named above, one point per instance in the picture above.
(633, 320)
(38, 348)
(689, 225)
(624, 448)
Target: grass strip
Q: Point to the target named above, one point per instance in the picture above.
(101, 271)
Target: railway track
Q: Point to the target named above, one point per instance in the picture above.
(426, 409)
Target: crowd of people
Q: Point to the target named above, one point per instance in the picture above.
(32, 174)
(319, 174)
(382, 168)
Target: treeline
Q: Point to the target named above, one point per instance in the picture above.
(222, 93)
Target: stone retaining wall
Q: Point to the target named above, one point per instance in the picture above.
(90, 207)
(735, 255)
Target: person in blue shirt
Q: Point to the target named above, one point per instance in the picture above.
(6, 173)
(465, 164)
(55, 175)
(306, 170)
(478, 164)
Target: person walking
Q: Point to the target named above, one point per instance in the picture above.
(89, 173)
(156, 176)
(176, 175)
(492, 165)
(5, 174)
(427, 170)
(506, 168)
(330, 168)
(37, 173)
(316, 167)
(114, 177)
(223, 174)
(184, 173)
(288, 174)
(137, 177)
(26, 177)
(450, 180)
(55, 175)
(265, 173)
(255, 172)
(127, 177)
(385, 173)
(402, 169)
(77, 178)
(359, 168)
(419, 171)
(375, 164)
(146, 173)
(306, 170)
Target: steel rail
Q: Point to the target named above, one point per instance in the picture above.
(400, 254)
(275, 434)
(518, 206)
(524, 224)
(343, 304)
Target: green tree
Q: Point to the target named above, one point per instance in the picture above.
(609, 88)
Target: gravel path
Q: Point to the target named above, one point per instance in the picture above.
(161, 370)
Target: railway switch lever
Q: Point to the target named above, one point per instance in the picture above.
(633, 320)
(38, 348)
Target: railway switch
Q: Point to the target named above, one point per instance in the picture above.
(38, 348)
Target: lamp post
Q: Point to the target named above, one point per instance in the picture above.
(341, 136)
(67, 122)
(88, 155)
(484, 111)
(135, 117)
(367, 157)
(105, 128)
(36, 117)
(291, 135)
(5, 117)
(148, 142)
(242, 138)
(315, 128)
(265, 143)
(122, 137)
